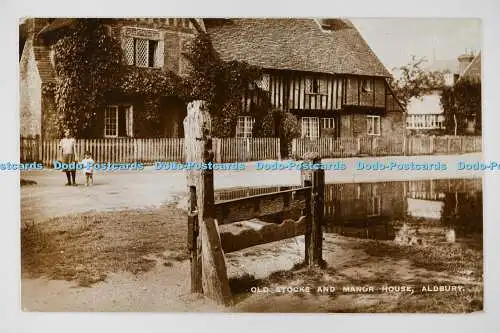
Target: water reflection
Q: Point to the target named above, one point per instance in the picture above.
(409, 212)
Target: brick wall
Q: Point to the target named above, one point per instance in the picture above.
(354, 125)
(345, 125)
(393, 124)
(359, 125)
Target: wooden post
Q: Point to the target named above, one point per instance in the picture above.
(278, 149)
(39, 148)
(314, 229)
(198, 144)
(194, 243)
(307, 213)
(404, 145)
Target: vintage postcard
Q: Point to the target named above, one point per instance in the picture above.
(302, 165)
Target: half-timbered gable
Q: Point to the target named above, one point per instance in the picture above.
(322, 71)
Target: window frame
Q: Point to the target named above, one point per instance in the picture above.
(308, 122)
(320, 83)
(372, 118)
(129, 120)
(154, 46)
(106, 116)
(366, 85)
(151, 52)
(246, 131)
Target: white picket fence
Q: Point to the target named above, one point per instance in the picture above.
(123, 150)
(384, 146)
(248, 149)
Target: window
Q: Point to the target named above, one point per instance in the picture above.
(327, 127)
(142, 52)
(244, 127)
(118, 121)
(310, 127)
(373, 125)
(315, 86)
(366, 86)
(327, 122)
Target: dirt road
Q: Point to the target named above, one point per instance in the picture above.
(149, 188)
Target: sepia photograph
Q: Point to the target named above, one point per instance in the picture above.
(270, 165)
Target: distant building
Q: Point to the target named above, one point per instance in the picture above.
(425, 115)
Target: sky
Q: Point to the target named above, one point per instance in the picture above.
(443, 39)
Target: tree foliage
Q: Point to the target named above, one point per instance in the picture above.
(222, 84)
(460, 104)
(414, 81)
(86, 59)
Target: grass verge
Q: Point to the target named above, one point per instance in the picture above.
(86, 247)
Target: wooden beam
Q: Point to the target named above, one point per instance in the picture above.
(300, 92)
(373, 90)
(268, 233)
(242, 209)
(197, 26)
(359, 90)
(338, 82)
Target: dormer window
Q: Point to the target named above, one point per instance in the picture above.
(143, 53)
(143, 47)
(366, 85)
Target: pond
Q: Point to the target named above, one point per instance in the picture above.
(408, 212)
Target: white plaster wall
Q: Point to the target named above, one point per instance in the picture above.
(30, 95)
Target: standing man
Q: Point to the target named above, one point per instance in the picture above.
(67, 148)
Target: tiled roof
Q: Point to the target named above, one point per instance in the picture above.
(473, 71)
(296, 44)
(56, 24)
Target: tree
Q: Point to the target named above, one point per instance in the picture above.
(461, 103)
(414, 81)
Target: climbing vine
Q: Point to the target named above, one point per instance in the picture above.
(86, 60)
(223, 84)
(89, 69)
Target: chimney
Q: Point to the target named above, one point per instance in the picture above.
(463, 61)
